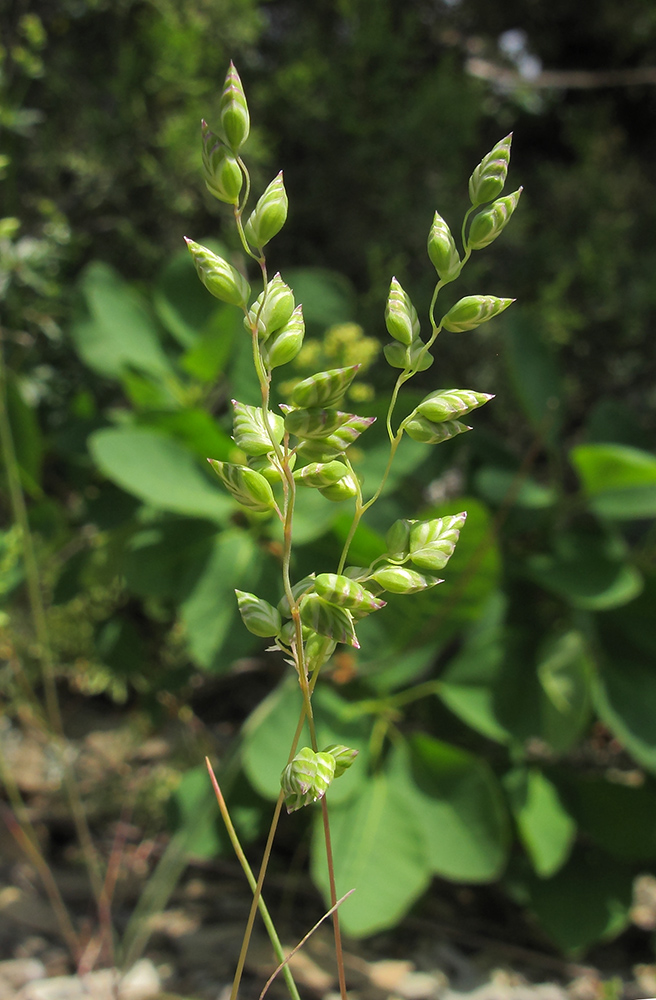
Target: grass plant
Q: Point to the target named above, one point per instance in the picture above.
(308, 446)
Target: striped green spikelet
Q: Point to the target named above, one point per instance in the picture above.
(489, 178)
(272, 309)
(432, 543)
(472, 311)
(328, 619)
(344, 757)
(269, 215)
(401, 317)
(283, 345)
(337, 442)
(307, 778)
(246, 486)
(250, 431)
(325, 389)
(442, 250)
(219, 277)
(258, 615)
(398, 538)
(346, 593)
(321, 474)
(426, 431)
(399, 580)
(451, 404)
(491, 222)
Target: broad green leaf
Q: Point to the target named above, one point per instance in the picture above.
(636, 620)
(379, 849)
(587, 901)
(336, 723)
(497, 485)
(151, 392)
(268, 732)
(565, 672)
(215, 633)
(159, 471)
(467, 686)
(118, 331)
(165, 559)
(267, 737)
(460, 806)
(617, 818)
(588, 570)
(624, 695)
(195, 429)
(620, 482)
(534, 371)
(327, 296)
(213, 348)
(546, 828)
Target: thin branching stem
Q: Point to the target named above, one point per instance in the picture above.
(257, 895)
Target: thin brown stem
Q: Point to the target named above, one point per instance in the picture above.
(268, 922)
(303, 940)
(257, 890)
(339, 954)
(21, 829)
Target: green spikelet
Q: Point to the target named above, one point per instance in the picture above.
(488, 179)
(432, 543)
(250, 432)
(307, 778)
(258, 615)
(399, 580)
(235, 119)
(328, 619)
(472, 311)
(220, 278)
(442, 250)
(451, 404)
(338, 589)
(344, 757)
(325, 389)
(490, 223)
(247, 486)
(269, 215)
(426, 432)
(401, 317)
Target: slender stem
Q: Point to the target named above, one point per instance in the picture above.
(463, 236)
(339, 954)
(23, 832)
(257, 890)
(303, 940)
(239, 210)
(261, 905)
(32, 579)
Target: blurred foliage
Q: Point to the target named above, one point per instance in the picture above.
(506, 721)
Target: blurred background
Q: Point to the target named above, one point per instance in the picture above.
(522, 691)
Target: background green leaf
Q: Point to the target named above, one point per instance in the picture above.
(619, 481)
(159, 471)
